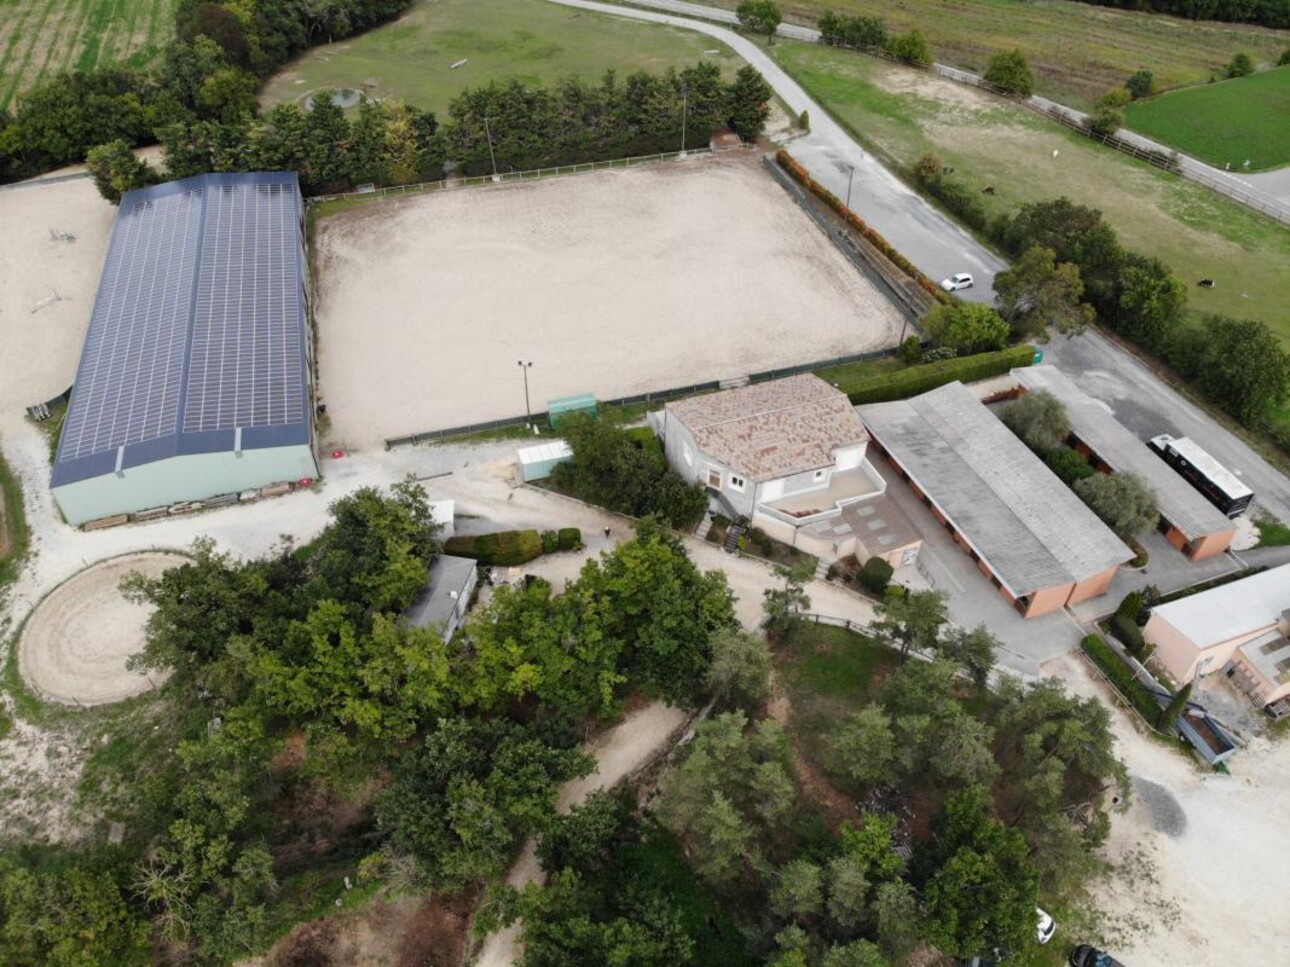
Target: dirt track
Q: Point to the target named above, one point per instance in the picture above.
(76, 643)
(613, 283)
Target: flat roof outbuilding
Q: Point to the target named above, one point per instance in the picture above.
(1019, 517)
(1094, 424)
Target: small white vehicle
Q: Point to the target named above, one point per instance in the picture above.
(961, 280)
(1046, 926)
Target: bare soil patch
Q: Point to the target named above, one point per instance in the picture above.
(613, 283)
(76, 643)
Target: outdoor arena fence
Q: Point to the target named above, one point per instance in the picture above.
(531, 174)
(1170, 161)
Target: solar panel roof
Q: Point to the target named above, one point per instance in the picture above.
(197, 341)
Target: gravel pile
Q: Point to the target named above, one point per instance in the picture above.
(1166, 814)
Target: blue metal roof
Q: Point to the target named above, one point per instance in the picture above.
(198, 340)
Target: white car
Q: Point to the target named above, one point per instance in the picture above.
(955, 282)
(1046, 926)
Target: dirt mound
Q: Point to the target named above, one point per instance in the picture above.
(76, 643)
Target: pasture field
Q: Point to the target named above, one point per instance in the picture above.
(43, 37)
(615, 283)
(1228, 123)
(1078, 51)
(532, 41)
(902, 114)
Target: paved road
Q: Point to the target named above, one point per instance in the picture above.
(926, 237)
(1148, 406)
(1270, 193)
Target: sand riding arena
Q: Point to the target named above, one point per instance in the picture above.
(614, 283)
(75, 645)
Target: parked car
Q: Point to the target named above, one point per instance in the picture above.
(1088, 956)
(1046, 927)
(958, 281)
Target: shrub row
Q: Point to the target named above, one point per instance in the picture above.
(1130, 635)
(903, 383)
(1122, 677)
(800, 175)
(505, 548)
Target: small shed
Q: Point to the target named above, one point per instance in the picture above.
(537, 462)
(557, 411)
(446, 597)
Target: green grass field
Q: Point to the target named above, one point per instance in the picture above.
(43, 37)
(1228, 123)
(531, 41)
(903, 113)
(1078, 51)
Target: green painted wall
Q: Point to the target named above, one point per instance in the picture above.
(182, 479)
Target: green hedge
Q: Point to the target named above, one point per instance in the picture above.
(876, 574)
(569, 538)
(1122, 677)
(1130, 635)
(506, 548)
(902, 383)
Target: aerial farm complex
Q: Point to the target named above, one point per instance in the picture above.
(544, 483)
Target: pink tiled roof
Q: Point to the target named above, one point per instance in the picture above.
(773, 429)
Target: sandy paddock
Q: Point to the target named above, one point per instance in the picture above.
(41, 348)
(613, 283)
(75, 644)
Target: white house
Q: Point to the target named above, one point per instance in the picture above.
(789, 454)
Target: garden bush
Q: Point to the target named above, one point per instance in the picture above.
(1131, 606)
(550, 542)
(876, 574)
(505, 548)
(1130, 635)
(1122, 677)
(1069, 465)
(569, 539)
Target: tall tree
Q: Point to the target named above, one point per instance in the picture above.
(739, 674)
(1123, 500)
(966, 327)
(760, 16)
(116, 170)
(749, 103)
(783, 605)
(911, 619)
(1038, 293)
(972, 650)
(1243, 366)
(1009, 71)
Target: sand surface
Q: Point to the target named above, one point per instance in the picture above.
(75, 644)
(613, 283)
(55, 278)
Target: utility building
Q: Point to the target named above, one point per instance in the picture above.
(1025, 529)
(195, 376)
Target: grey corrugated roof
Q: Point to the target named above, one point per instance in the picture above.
(434, 606)
(1028, 525)
(198, 328)
(1092, 421)
(1230, 610)
(772, 429)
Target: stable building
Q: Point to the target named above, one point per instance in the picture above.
(1187, 520)
(1027, 532)
(194, 381)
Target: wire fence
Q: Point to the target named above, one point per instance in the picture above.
(532, 174)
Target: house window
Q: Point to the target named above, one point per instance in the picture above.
(820, 475)
(714, 478)
(737, 483)
(689, 456)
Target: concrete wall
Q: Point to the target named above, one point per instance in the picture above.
(180, 480)
(1047, 600)
(1093, 586)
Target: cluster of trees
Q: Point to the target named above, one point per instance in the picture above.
(1124, 501)
(761, 16)
(1266, 13)
(1239, 364)
(306, 649)
(222, 51)
(871, 33)
(202, 106)
(626, 472)
(1010, 72)
(1000, 769)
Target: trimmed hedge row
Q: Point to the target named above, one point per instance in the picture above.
(903, 383)
(800, 175)
(506, 548)
(1122, 677)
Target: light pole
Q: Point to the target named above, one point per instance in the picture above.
(492, 157)
(528, 413)
(685, 107)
